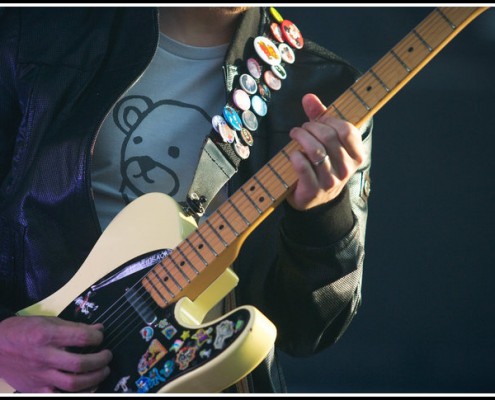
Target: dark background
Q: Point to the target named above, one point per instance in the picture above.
(427, 322)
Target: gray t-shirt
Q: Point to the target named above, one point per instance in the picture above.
(151, 140)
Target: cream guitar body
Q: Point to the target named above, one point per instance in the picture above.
(158, 349)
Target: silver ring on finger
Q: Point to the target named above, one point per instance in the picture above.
(321, 161)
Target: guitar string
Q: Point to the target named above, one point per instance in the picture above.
(385, 63)
(229, 212)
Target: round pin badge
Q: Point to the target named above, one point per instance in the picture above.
(254, 68)
(264, 92)
(249, 119)
(247, 137)
(291, 34)
(279, 71)
(287, 53)
(267, 50)
(259, 106)
(276, 32)
(232, 118)
(248, 84)
(241, 150)
(216, 121)
(241, 99)
(226, 132)
(272, 81)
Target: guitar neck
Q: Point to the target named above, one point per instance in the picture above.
(229, 225)
(396, 68)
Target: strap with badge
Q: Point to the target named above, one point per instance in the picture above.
(232, 137)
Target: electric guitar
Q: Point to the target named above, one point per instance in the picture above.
(154, 324)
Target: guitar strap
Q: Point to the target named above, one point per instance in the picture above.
(229, 142)
(214, 169)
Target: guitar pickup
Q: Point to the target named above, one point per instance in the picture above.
(141, 305)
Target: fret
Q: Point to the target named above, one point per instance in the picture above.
(274, 171)
(270, 183)
(452, 25)
(457, 15)
(223, 226)
(210, 247)
(422, 40)
(272, 199)
(228, 224)
(281, 163)
(339, 113)
(246, 221)
(434, 32)
(186, 261)
(216, 233)
(385, 87)
(284, 153)
(366, 106)
(176, 266)
(371, 89)
(352, 109)
(152, 289)
(169, 274)
(162, 281)
(368, 90)
(197, 252)
(388, 71)
(412, 51)
(400, 60)
(251, 201)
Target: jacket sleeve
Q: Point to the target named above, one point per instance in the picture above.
(9, 113)
(320, 266)
(9, 109)
(313, 289)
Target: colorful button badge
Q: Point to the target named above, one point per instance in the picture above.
(254, 68)
(287, 53)
(249, 119)
(241, 99)
(259, 106)
(232, 118)
(291, 34)
(267, 50)
(272, 81)
(248, 83)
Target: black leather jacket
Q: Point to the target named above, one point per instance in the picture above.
(61, 70)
